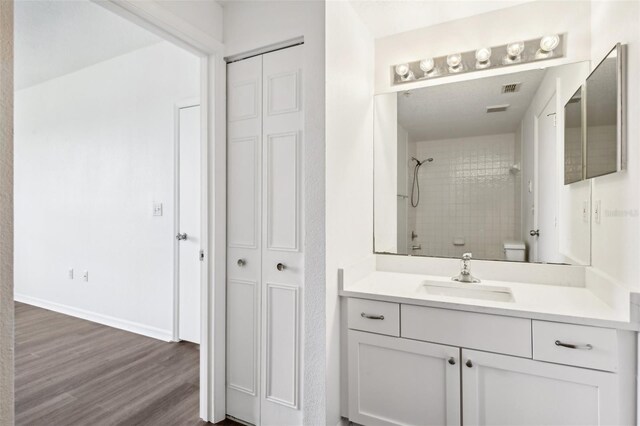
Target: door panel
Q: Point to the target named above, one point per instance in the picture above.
(506, 390)
(282, 235)
(394, 381)
(547, 188)
(189, 223)
(244, 262)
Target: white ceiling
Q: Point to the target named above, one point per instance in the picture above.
(387, 17)
(457, 110)
(56, 37)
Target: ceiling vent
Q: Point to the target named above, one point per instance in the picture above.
(511, 88)
(497, 108)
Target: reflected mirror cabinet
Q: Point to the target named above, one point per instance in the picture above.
(595, 123)
(498, 164)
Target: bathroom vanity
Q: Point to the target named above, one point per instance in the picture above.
(504, 352)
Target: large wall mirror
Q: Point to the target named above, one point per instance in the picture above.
(477, 166)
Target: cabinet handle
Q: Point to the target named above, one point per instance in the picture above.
(469, 363)
(280, 267)
(452, 361)
(369, 316)
(241, 262)
(586, 347)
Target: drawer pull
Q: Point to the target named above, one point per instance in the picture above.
(369, 316)
(586, 347)
(469, 363)
(452, 361)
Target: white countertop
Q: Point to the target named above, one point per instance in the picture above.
(576, 305)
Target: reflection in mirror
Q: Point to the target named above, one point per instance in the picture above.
(573, 139)
(603, 100)
(476, 166)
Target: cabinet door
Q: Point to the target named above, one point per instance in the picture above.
(506, 390)
(394, 381)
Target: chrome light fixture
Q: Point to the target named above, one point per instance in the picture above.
(404, 72)
(550, 46)
(514, 52)
(547, 45)
(455, 62)
(483, 57)
(428, 66)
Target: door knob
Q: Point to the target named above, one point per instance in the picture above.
(241, 262)
(534, 232)
(181, 237)
(280, 267)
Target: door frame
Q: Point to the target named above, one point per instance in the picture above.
(187, 103)
(536, 169)
(170, 27)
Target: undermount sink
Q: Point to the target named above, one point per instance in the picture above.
(467, 290)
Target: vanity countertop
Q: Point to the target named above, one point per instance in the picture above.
(576, 305)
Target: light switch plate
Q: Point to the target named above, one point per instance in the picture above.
(85, 276)
(157, 209)
(70, 273)
(597, 211)
(585, 211)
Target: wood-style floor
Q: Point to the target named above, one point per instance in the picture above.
(75, 372)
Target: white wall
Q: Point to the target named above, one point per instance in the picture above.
(349, 173)
(616, 239)
(94, 151)
(385, 180)
(250, 25)
(6, 214)
(467, 193)
(525, 21)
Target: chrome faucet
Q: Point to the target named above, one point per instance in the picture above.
(465, 272)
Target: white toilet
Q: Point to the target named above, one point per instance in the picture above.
(515, 251)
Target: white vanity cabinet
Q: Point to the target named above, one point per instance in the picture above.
(448, 367)
(396, 381)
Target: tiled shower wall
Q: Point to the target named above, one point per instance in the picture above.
(469, 194)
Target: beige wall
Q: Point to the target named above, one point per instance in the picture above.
(6, 212)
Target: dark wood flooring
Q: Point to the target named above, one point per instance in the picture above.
(75, 372)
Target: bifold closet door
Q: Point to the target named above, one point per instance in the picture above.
(244, 237)
(282, 236)
(264, 237)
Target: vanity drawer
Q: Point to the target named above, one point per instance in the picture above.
(374, 316)
(492, 333)
(590, 347)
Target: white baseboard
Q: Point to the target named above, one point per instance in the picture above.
(121, 324)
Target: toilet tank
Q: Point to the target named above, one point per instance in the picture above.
(515, 251)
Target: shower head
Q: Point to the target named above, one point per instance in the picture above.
(428, 160)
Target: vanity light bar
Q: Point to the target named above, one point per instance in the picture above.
(514, 53)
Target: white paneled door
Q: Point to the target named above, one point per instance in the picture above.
(189, 223)
(264, 235)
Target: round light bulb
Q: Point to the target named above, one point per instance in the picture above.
(454, 60)
(515, 49)
(427, 65)
(548, 43)
(402, 69)
(483, 54)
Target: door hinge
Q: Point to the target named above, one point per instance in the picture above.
(201, 255)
